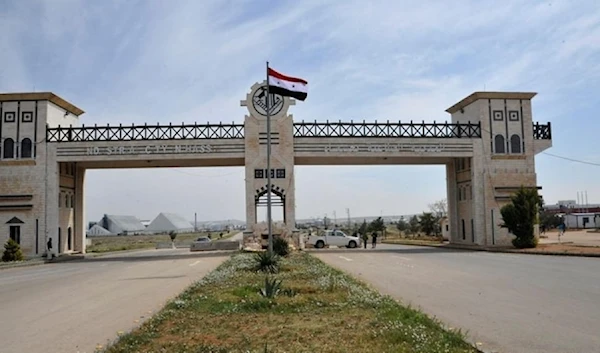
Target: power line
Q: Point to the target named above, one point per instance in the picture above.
(572, 159)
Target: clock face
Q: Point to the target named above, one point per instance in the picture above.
(259, 102)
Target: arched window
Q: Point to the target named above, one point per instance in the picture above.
(26, 148)
(9, 148)
(515, 144)
(499, 144)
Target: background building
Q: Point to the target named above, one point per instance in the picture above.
(167, 222)
(122, 225)
(97, 230)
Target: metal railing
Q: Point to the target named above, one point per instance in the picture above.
(387, 129)
(542, 131)
(301, 129)
(145, 132)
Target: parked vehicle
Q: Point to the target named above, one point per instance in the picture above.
(333, 238)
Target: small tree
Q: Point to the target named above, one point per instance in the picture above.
(413, 225)
(12, 251)
(428, 222)
(549, 220)
(439, 208)
(364, 228)
(520, 216)
(377, 225)
(402, 225)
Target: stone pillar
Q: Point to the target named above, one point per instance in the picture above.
(479, 189)
(51, 197)
(452, 201)
(79, 235)
(281, 161)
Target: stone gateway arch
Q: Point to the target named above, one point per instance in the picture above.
(488, 147)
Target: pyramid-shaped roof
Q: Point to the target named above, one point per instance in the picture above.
(166, 222)
(98, 230)
(117, 224)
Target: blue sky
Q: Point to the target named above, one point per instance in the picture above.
(173, 61)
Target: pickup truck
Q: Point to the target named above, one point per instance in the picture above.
(333, 238)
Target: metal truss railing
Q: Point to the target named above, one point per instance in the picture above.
(145, 132)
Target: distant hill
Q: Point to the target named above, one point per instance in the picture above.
(225, 222)
(342, 220)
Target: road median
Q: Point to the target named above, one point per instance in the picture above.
(314, 308)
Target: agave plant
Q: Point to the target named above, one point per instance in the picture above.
(281, 247)
(267, 262)
(272, 288)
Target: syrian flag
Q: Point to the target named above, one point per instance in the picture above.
(287, 86)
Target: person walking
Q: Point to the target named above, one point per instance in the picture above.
(374, 239)
(49, 245)
(561, 230)
(365, 238)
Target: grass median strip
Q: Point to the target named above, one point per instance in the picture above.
(306, 306)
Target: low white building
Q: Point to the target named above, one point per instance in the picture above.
(582, 220)
(445, 224)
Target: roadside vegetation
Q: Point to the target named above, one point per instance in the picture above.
(520, 217)
(295, 303)
(12, 252)
(133, 242)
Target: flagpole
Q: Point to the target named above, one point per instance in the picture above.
(269, 166)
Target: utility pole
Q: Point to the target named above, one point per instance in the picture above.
(195, 222)
(334, 218)
(348, 213)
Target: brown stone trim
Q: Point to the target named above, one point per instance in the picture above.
(16, 149)
(17, 162)
(516, 187)
(509, 157)
(15, 207)
(15, 197)
(489, 95)
(47, 96)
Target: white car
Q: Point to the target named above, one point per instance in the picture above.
(333, 238)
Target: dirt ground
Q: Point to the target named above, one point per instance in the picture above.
(573, 241)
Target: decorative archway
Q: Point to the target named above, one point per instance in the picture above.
(260, 199)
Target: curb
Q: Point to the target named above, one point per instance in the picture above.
(27, 263)
(505, 251)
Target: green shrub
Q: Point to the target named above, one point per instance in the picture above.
(281, 247)
(525, 243)
(521, 215)
(267, 262)
(12, 251)
(271, 289)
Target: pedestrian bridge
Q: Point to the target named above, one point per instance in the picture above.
(225, 144)
(487, 146)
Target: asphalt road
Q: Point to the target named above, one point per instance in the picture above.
(509, 303)
(76, 306)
